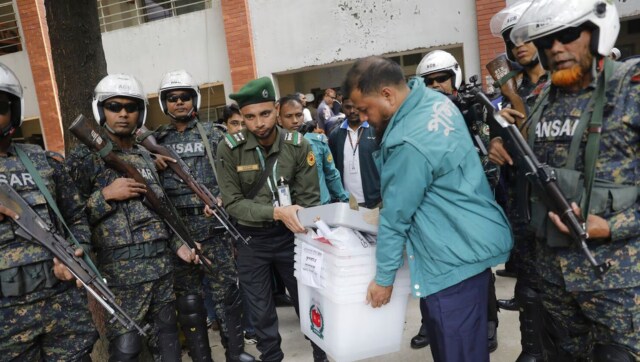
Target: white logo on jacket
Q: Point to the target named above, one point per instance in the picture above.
(442, 116)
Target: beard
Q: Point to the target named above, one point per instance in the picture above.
(380, 129)
(567, 78)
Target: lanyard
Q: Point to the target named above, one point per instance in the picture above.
(273, 174)
(355, 148)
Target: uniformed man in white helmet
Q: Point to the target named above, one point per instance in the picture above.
(586, 125)
(196, 143)
(132, 243)
(530, 80)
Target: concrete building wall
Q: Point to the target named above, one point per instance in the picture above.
(195, 42)
(332, 31)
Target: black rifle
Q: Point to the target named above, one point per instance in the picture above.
(148, 141)
(472, 111)
(88, 133)
(544, 178)
(33, 228)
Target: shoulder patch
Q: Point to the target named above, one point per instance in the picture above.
(55, 156)
(234, 140)
(635, 78)
(311, 159)
(293, 138)
(329, 158)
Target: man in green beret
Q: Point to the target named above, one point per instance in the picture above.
(266, 175)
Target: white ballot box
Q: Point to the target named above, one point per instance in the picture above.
(333, 275)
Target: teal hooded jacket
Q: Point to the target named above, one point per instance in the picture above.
(436, 199)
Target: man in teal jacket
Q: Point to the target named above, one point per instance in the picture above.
(437, 203)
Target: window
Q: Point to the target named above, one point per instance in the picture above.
(9, 33)
(118, 14)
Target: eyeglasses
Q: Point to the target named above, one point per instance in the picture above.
(440, 79)
(5, 106)
(565, 36)
(116, 107)
(185, 97)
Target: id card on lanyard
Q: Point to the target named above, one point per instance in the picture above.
(353, 165)
(280, 195)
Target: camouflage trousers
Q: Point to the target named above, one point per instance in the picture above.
(189, 277)
(143, 301)
(578, 320)
(58, 328)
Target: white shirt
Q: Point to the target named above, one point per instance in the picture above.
(351, 169)
(307, 115)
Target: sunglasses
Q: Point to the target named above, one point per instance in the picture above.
(185, 97)
(116, 107)
(565, 36)
(440, 79)
(5, 106)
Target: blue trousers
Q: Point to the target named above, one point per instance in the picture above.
(457, 321)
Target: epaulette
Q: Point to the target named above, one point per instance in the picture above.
(234, 140)
(292, 138)
(159, 133)
(55, 156)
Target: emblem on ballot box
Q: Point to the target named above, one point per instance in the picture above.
(317, 321)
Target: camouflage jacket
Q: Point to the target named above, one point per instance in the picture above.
(25, 266)
(188, 145)
(617, 173)
(131, 241)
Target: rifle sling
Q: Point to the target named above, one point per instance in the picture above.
(207, 147)
(52, 204)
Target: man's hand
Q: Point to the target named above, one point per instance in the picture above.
(161, 161)
(512, 116)
(377, 295)
(497, 153)
(597, 227)
(209, 211)
(62, 272)
(8, 212)
(188, 255)
(289, 216)
(123, 189)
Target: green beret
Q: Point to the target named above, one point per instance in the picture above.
(256, 91)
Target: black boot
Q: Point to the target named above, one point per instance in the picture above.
(233, 337)
(530, 325)
(193, 321)
(508, 304)
(421, 339)
(318, 354)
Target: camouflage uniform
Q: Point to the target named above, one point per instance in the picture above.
(206, 230)
(42, 317)
(132, 244)
(240, 163)
(583, 308)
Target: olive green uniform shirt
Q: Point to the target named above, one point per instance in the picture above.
(239, 167)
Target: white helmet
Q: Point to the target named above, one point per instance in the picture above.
(178, 79)
(545, 17)
(118, 85)
(502, 23)
(440, 61)
(10, 84)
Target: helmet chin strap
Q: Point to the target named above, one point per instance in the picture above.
(7, 131)
(186, 118)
